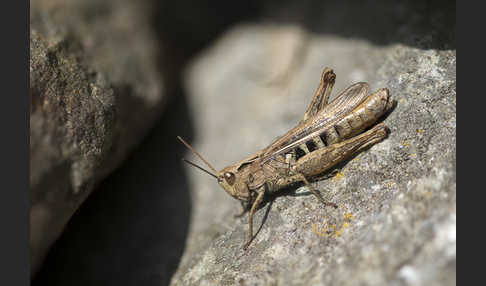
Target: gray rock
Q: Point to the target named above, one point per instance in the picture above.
(396, 221)
(94, 94)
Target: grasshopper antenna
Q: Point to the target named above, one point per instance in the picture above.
(200, 157)
(199, 167)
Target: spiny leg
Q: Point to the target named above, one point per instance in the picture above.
(254, 207)
(321, 97)
(321, 160)
(315, 192)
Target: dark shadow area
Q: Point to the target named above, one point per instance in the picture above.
(132, 229)
(429, 24)
(186, 27)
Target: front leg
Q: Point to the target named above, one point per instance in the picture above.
(321, 97)
(254, 207)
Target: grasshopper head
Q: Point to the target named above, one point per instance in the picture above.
(230, 178)
(233, 182)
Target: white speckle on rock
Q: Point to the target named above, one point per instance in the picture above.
(446, 236)
(277, 251)
(375, 188)
(409, 274)
(302, 190)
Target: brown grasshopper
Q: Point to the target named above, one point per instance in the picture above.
(329, 133)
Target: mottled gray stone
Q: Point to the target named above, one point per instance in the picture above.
(94, 94)
(396, 221)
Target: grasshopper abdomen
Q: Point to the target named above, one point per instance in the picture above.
(360, 118)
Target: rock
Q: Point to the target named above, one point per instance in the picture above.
(396, 221)
(94, 94)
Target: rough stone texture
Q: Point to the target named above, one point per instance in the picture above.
(94, 94)
(396, 221)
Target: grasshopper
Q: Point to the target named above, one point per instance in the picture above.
(329, 133)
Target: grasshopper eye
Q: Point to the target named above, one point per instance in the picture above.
(230, 178)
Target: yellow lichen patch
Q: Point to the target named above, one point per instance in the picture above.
(357, 157)
(337, 177)
(341, 230)
(348, 216)
(319, 231)
(326, 229)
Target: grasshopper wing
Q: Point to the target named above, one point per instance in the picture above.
(332, 113)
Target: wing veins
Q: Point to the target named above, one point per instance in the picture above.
(344, 103)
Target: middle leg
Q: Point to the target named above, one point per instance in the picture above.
(254, 207)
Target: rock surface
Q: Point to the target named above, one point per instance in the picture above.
(93, 96)
(396, 221)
